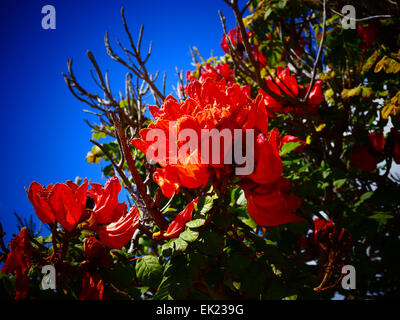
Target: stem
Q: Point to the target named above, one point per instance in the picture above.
(144, 196)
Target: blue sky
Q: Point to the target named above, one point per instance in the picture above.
(44, 137)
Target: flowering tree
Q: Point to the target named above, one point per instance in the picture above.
(267, 173)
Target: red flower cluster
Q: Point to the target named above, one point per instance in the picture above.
(66, 204)
(368, 155)
(286, 83)
(326, 236)
(237, 42)
(63, 202)
(211, 105)
(221, 71)
(92, 282)
(18, 262)
(92, 286)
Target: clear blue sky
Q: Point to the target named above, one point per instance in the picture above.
(44, 137)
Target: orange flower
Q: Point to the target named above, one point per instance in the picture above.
(107, 207)
(18, 262)
(117, 234)
(63, 203)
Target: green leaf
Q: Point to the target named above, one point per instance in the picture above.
(173, 245)
(339, 183)
(282, 4)
(288, 147)
(149, 271)
(293, 297)
(163, 290)
(205, 204)
(179, 244)
(122, 275)
(362, 91)
(370, 61)
(364, 197)
(381, 217)
(267, 13)
(196, 223)
(189, 235)
(97, 135)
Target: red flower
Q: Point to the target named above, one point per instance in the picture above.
(289, 138)
(179, 223)
(328, 233)
(237, 42)
(368, 155)
(236, 39)
(63, 203)
(316, 95)
(286, 83)
(377, 140)
(367, 33)
(270, 204)
(39, 196)
(189, 76)
(107, 207)
(117, 234)
(96, 252)
(92, 287)
(219, 72)
(18, 262)
(268, 164)
(259, 56)
(68, 202)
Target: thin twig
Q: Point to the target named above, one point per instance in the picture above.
(313, 74)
